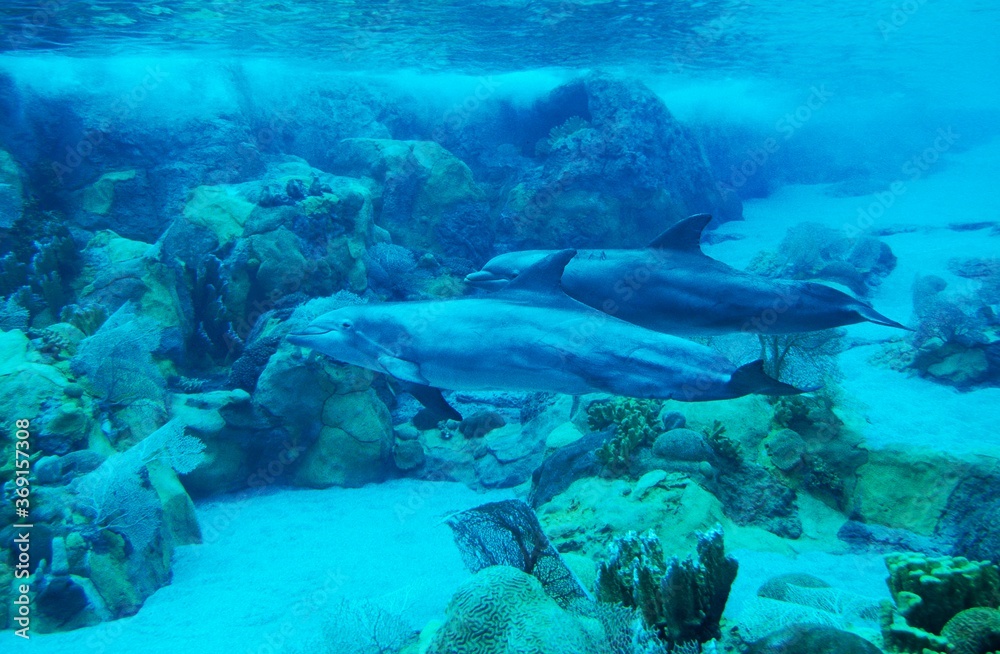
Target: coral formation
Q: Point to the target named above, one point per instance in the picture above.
(502, 609)
(508, 533)
(682, 600)
(635, 426)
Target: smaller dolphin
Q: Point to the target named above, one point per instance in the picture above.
(674, 288)
(530, 336)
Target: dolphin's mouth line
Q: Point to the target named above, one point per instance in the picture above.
(310, 331)
(484, 277)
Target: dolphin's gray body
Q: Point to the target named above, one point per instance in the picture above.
(673, 287)
(529, 337)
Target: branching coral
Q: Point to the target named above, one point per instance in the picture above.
(721, 444)
(682, 600)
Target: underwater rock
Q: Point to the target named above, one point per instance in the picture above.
(646, 482)
(481, 423)
(331, 411)
(124, 201)
(585, 517)
(408, 454)
(429, 199)
(118, 271)
(971, 518)
(907, 488)
(814, 251)
(683, 445)
(812, 639)
(501, 609)
(956, 340)
(563, 435)
(509, 455)
(564, 466)
(863, 537)
(11, 198)
(615, 169)
(214, 417)
(35, 388)
(68, 602)
(752, 495)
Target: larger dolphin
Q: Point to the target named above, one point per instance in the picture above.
(673, 287)
(529, 337)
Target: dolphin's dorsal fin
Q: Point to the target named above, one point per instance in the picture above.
(541, 277)
(683, 236)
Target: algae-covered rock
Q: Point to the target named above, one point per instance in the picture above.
(907, 488)
(352, 444)
(99, 196)
(220, 209)
(430, 200)
(585, 517)
(331, 412)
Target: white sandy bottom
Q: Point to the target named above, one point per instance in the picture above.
(902, 410)
(275, 566)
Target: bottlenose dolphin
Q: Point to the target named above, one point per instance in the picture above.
(673, 287)
(530, 336)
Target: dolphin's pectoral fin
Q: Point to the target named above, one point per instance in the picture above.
(683, 236)
(402, 369)
(432, 399)
(752, 379)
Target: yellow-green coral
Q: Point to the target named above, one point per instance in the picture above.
(635, 422)
(929, 591)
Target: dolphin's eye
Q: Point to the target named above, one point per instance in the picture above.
(346, 325)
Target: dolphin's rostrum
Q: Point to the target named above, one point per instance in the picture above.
(530, 336)
(673, 287)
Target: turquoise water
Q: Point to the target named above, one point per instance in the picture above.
(354, 327)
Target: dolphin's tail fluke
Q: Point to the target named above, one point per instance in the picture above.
(752, 380)
(871, 315)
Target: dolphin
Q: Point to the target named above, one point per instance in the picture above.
(530, 336)
(673, 287)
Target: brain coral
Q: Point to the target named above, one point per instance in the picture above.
(502, 610)
(974, 631)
